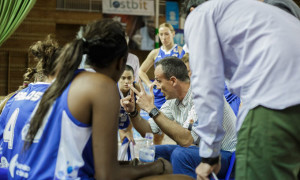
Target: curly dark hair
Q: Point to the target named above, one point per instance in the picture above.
(45, 53)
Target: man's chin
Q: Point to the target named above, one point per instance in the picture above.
(169, 97)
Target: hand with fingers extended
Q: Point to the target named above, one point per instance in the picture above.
(144, 100)
(128, 102)
(204, 170)
(153, 84)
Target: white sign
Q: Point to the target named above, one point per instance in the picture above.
(130, 7)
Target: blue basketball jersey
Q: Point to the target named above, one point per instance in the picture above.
(159, 98)
(173, 52)
(14, 116)
(61, 149)
(182, 53)
(232, 99)
(124, 119)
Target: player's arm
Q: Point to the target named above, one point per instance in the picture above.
(175, 131)
(147, 64)
(105, 110)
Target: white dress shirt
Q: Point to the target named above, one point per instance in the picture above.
(255, 46)
(182, 112)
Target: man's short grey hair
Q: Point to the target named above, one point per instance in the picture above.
(192, 3)
(173, 66)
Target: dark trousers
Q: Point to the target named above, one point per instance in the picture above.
(185, 160)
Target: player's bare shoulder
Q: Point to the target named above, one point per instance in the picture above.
(94, 83)
(154, 53)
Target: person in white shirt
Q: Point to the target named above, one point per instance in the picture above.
(287, 5)
(253, 45)
(133, 61)
(177, 118)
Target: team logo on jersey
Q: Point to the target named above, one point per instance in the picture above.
(13, 165)
(175, 50)
(68, 173)
(4, 163)
(21, 169)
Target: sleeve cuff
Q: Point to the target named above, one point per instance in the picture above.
(208, 151)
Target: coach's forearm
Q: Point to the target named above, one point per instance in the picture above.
(180, 135)
(141, 125)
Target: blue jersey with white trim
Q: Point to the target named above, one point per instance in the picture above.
(124, 119)
(162, 54)
(15, 115)
(61, 148)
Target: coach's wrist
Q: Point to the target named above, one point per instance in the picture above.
(211, 161)
(149, 108)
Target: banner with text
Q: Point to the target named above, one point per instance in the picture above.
(129, 7)
(172, 14)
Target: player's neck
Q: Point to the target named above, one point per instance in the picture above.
(49, 79)
(168, 47)
(124, 93)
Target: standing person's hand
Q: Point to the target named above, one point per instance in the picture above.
(144, 100)
(204, 170)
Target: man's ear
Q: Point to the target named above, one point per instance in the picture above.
(173, 79)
